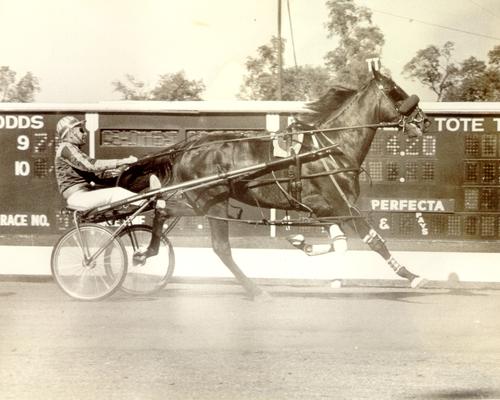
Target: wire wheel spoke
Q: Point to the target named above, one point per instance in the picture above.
(94, 278)
(146, 276)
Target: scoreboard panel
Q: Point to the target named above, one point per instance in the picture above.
(444, 185)
(29, 201)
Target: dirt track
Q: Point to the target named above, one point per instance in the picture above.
(201, 341)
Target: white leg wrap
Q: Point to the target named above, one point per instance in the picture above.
(297, 241)
(372, 234)
(394, 264)
(338, 244)
(339, 240)
(317, 249)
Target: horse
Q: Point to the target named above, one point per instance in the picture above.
(329, 184)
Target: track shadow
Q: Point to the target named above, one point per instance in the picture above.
(465, 292)
(125, 298)
(398, 295)
(461, 394)
(391, 295)
(7, 294)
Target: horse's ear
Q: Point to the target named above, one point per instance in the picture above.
(376, 74)
(374, 66)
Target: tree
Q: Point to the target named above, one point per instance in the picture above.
(469, 84)
(131, 89)
(358, 39)
(470, 80)
(22, 91)
(433, 68)
(477, 81)
(305, 82)
(177, 87)
(346, 65)
(170, 86)
(299, 83)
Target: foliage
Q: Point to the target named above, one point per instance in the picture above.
(478, 81)
(298, 83)
(358, 40)
(22, 91)
(470, 80)
(305, 82)
(170, 86)
(433, 68)
(131, 89)
(494, 57)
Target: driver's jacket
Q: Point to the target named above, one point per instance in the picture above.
(75, 169)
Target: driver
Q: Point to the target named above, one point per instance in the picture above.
(75, 170)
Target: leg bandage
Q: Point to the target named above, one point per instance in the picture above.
(338, 244)
(376, 243)
(339, 240)
(371, 236)
(400, 269)
(394, 264)
(318, 249)
(298, 241)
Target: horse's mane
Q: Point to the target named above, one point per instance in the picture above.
(332, 101)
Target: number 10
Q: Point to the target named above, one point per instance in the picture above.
(22, 168)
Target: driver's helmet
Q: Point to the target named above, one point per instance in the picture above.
(66, 123)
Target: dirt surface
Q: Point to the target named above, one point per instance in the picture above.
(207, 341)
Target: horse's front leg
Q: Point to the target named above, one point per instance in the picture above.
(338, 242)
(377, 243)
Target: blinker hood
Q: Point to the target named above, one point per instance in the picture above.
(408, 105)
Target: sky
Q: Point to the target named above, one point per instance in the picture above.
(77, 48)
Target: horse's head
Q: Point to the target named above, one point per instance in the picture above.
(397, 106)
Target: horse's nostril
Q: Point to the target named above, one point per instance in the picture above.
(413, 133)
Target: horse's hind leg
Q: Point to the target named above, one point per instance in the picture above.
(376, 243)
(221, 246)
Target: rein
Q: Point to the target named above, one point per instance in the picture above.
(274, 135)
(343, 128)
(304, 221)
(262, 181)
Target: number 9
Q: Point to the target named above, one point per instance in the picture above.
(23, 142)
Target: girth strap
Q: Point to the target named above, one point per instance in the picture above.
(295, 181)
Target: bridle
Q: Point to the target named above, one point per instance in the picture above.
(407, 108)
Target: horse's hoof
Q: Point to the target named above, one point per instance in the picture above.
(296, 240)
(418, 282)
(262, 297)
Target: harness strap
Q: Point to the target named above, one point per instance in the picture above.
(293, 201)
(295, 181)
(332, 178)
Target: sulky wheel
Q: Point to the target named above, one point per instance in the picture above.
(146, 275)
(88, 263)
